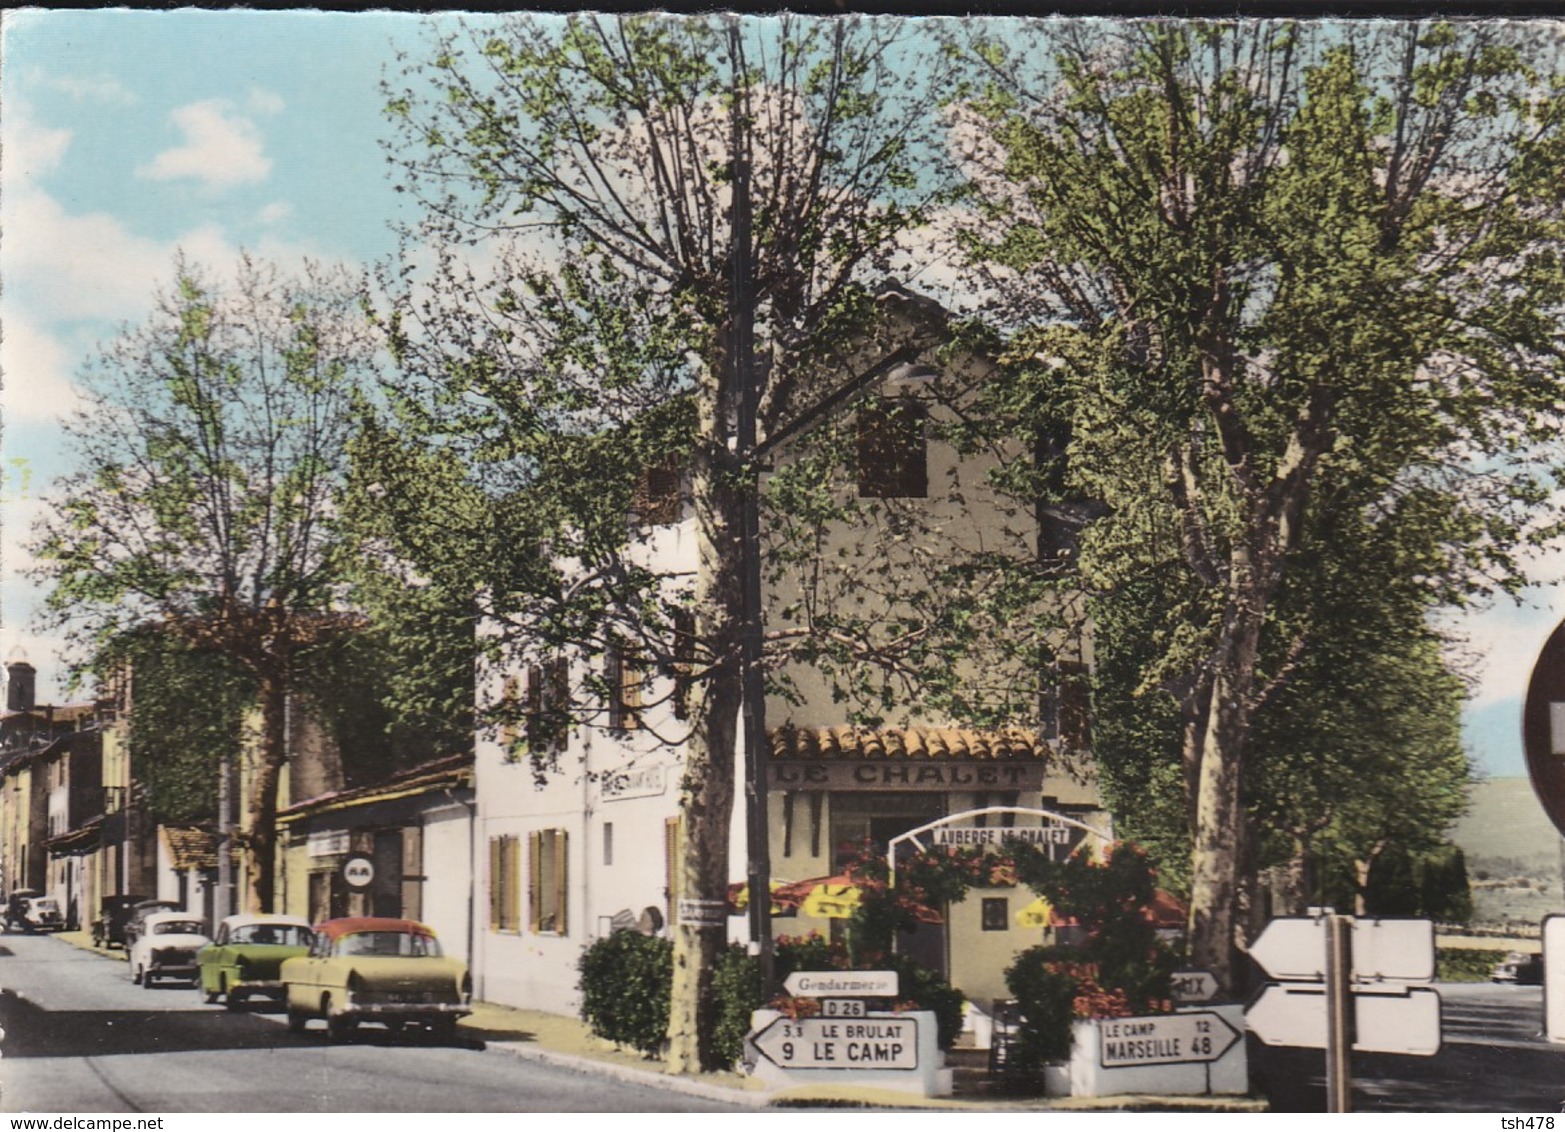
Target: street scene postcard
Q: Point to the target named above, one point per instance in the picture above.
(721, 562)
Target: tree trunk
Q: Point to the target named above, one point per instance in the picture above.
(1361, 870)
(271, 757)
(1216, 843)
(707, 790)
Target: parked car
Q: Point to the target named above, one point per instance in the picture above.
(139, 912)
(1520, 968)
(28, 910)
(16, 909)
(246, 955)
(114, 914)
(166, 947)
(375, 969)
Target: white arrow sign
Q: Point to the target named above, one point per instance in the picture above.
(1164, 1039)
(1194, 986)
(1394, 951)
(833, 1043)
(842, 984)
(1407, 1023)
(1292, 948)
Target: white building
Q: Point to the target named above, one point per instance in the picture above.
(587, 848)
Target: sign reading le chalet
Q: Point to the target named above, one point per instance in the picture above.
(866, 774)
(990, 835)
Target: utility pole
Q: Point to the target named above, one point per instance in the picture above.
(752, 676)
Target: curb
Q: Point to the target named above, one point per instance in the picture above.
(529, 1051)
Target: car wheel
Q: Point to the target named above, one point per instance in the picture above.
(232, 999)
(146, 979)
(442, 1029)
(297, 1019)
(135, 976)
(340, 1027)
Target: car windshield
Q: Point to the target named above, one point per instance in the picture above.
(412, 944)
(45, 904)
(280, 935)
(178, 927)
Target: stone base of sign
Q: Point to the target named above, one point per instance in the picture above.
(1228, 1074)
(927, 1076)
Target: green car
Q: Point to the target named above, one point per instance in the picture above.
(246, 956)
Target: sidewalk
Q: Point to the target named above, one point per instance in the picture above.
(568, 1043)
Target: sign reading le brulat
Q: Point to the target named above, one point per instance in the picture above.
(862, 774)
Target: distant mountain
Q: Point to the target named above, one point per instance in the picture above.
(1505, 822)
(1513, 854)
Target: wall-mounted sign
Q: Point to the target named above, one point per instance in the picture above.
(885, 774)
(328, 843)
(358, 872)
(634, 782)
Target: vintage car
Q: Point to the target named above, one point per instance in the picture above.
(114, 914)
(166, 948)
(375, 969)
(27, 910)
(1520, 968)
(138, 914)
(246, 955)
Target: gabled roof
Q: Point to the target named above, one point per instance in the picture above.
(190, 848)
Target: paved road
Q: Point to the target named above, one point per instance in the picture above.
(1493, 1059)
(79, 1037)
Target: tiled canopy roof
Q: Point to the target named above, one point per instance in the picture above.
(905, 743)
(191, 848)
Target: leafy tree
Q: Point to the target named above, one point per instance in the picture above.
(646, 231)
(212, 440)
(1273, 268)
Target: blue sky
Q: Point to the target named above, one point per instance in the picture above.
(128, 135)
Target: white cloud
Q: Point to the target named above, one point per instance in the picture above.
(35, 369)
(275, 212)
(220, 148)
(107, 90)
(264, 101)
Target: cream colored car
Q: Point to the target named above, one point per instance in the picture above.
(374, 969)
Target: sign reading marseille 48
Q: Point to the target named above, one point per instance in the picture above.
(1164, 1039)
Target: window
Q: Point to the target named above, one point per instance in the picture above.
(546, 707)
(504, 886)
(657, 494)
(893, 458)
(1067, 706)
(546, 881)
(608, 843)
(626, 673)
(996, 913)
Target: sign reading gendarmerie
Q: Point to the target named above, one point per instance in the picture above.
(1164, 1039)
(842, 984)
(1031, 835)
(833, 1043)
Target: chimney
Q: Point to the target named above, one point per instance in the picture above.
(20, 685)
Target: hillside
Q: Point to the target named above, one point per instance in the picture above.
(1513, 853)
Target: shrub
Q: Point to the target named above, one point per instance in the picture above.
(625, 983)
(1045, 993)
(736, 994)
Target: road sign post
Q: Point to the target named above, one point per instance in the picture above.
(1346, 984)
